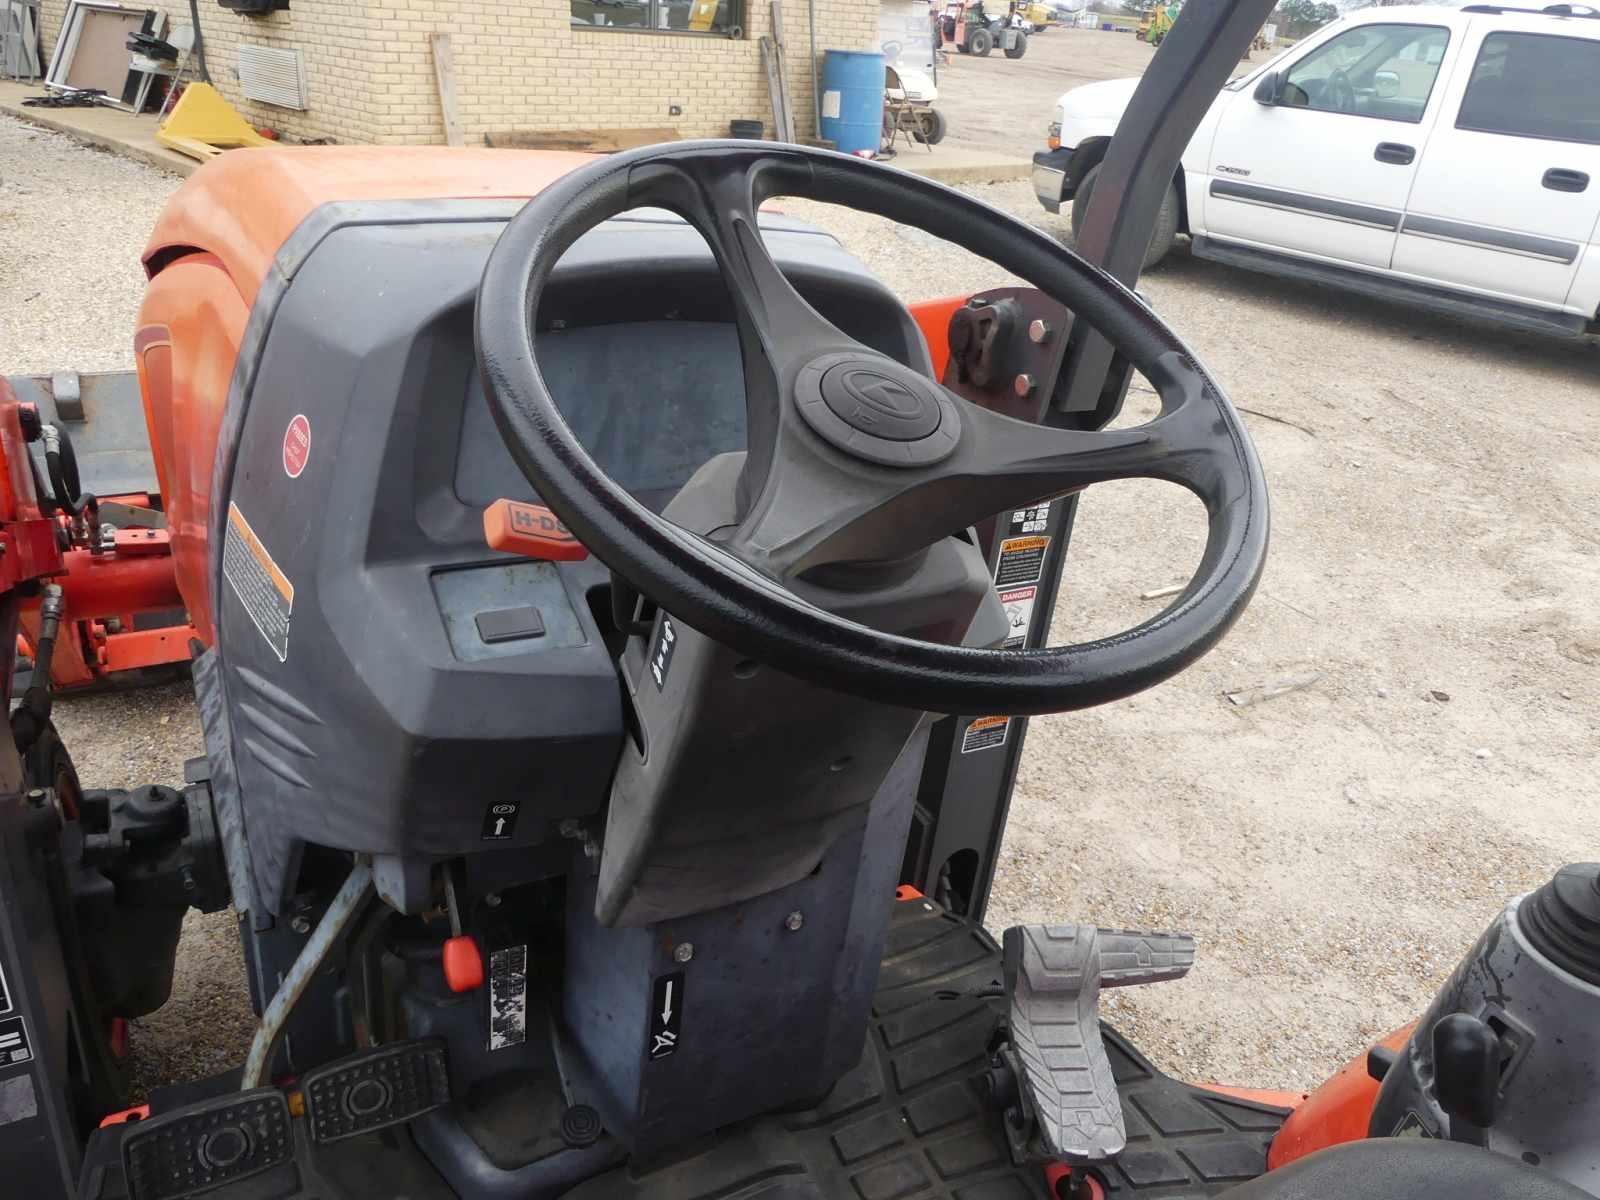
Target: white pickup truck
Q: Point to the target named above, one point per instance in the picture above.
(1435, 156)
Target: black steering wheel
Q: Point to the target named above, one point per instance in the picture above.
(854, 457)
(1341, 92)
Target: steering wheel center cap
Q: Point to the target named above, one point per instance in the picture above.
(876, 409)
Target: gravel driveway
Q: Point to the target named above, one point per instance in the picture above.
(1435, 493)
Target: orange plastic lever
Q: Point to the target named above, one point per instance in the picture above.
(530, 530)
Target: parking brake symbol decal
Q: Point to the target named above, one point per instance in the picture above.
(666, 1016)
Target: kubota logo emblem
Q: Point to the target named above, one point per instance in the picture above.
(878, 396)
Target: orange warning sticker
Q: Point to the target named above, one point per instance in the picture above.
(1021, 561)
(985, 733)
(263, 589)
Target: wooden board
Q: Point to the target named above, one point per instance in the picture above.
(600, 141)
(100, 57)
(444, 74)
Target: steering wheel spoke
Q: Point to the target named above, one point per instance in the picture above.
(814, 514)
(721, 197)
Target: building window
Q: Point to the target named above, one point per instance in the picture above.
(719, 18)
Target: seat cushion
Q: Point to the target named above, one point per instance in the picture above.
(1407, 1169)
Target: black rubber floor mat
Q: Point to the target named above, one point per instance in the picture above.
(912, 1121)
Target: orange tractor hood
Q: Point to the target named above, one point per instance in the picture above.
(242, 206)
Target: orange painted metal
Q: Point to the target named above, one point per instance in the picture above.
(933, 318)
(1338, 1111)
(146, 648)
(1257, 1095)
(530, 530)
(906, 892)
(138, 1113)
(114, 585)
(243, 205)
(213, 245)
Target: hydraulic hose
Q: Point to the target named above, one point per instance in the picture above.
(61, 461)
(32, 716)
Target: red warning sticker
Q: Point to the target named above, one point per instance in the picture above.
(296, 445)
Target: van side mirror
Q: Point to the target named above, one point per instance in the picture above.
(1270, 89)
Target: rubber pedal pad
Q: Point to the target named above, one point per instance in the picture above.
(376, 1088)
(195, 1149)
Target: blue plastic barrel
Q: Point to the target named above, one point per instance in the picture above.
(852, 100)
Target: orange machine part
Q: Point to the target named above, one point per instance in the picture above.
(1338, 1111)
(933, 318)
(213, 245)
(530, 530)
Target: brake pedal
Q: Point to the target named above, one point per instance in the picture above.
(1054, 974)
(190, 1151)
(375, 1089)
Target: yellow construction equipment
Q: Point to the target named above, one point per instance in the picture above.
(202, 125)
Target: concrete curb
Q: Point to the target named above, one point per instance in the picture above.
(956, 174)
(62, 121)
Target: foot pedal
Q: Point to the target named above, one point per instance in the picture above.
(1054, 974)
(375, 1089)
(190, 1151)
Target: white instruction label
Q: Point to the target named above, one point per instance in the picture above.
(831, 101)
(14, 1047)
(508, 997)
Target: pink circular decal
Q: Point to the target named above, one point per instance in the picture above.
(296, 446)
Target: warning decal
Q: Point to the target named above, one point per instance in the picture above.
(508, 997)
(1019, 614)
(14, 1048)
(1021, 561)
(1033, 519)
(985, 733)
(264, 590)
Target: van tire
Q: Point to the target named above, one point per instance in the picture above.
(1166, 230)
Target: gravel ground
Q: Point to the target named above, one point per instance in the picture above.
(73, 221)
(1335, 849)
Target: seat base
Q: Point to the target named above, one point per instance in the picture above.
(1408, 1169)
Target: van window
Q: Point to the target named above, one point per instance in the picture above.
(1382, 71)
(1535, 85)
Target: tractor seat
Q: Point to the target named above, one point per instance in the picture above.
(1407, 1169)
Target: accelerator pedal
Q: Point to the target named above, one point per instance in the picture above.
(196, 1149)
(1053, 976)
(375, 1089)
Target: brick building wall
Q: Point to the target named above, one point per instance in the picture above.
(519, 64)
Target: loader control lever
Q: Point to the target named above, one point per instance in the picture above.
(857, 461)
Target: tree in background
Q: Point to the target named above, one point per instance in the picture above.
(1303, 16)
